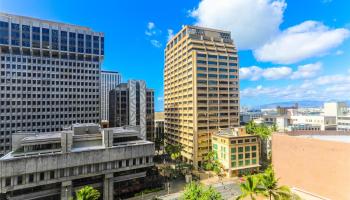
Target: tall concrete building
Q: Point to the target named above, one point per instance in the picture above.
(49, 75)
(201, 89)
(55, 165)
(133, 104)
(109, 81)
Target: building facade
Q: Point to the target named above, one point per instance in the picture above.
(49, 76)
(109, 81)
(237, 151)
(314, 162)
(55, 165)
(159, 129)
(201, 89)
(133, 104)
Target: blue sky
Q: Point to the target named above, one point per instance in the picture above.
(288, 49)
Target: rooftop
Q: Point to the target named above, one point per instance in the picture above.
(25, 18)
(335, 138)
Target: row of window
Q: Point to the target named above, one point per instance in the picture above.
(74, 171)
(60, 40)
(216, 57)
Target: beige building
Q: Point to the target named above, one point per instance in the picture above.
(201, 89)
(314, 163)
(237, 151)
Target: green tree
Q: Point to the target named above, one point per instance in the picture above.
(88, 193)
(251, 127)
(269, 182)
(251, 188)
(211, 194)
(195, 191)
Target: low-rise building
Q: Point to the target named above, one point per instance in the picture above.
(54, 165)
(313, 162)
(237, 151)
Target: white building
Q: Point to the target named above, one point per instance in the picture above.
(109, 81)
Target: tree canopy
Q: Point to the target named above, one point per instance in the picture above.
(196, 191)
(261, 130)
(265, 184)
(88, 193)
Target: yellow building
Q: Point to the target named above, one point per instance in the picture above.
(201, 89)
(237, 151)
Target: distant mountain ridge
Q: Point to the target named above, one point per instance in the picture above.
(302, 104)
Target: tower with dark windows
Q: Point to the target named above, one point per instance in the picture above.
(49, 76)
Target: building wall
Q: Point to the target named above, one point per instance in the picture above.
(109, 81)
(237, 153)
(133, 104)
(49, 76)
(201, 89)
(316, 166)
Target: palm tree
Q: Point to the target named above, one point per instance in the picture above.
(270, 185)
(251, 188)
(88, 193)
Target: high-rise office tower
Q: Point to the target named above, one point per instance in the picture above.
(133, 104)
(49, 75)
(109, 81)
(201, 89)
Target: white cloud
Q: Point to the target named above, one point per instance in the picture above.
(170, 34)
(307, 71)
(324, 88)
(151, 25)
(254, 73)
(306, 40)
(251, 22)
(339, 52)
(274, 73)
(160, 98)
(151, 29)
(156, 43)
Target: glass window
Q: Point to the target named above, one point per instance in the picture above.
(8, 181)
(96, 44)
(233, 164)
(64, 40)
(253, 148)
(212, 63)
(25, 36)
(72, 40)
(240, 149)
(223, 57)
(253, 161)
(201, 55)
(54, 39)
(247, 162)
(201, 62)
(233, 157)
(36, 37)
(81, 43)
(247, 148)
(15, 35)
(19, 180)
(247, 155)
(88, 44)
(240, 163)
(4, 32)
(45, 37)
(212, 56)
(42, 176)
(233, 150)
(240, 156)
(254, 155)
